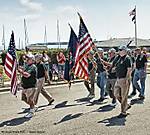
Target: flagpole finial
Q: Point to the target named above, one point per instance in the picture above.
(79, 15)
(12, 34)
(69, 25)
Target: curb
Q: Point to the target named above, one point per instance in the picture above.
(7, 88)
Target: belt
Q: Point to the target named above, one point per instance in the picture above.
(121, 77)
(139, 68)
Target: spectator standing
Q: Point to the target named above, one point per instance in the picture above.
(61, 64)
(46, 62)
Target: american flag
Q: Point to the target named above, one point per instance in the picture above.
(10, 66)
(133, 13)
(85, 41)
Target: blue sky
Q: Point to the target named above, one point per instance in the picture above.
(104, 18)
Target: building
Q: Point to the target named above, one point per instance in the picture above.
(37, 47)
(116, 42)
(105, 44)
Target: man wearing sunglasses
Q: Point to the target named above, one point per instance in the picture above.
(123, 73)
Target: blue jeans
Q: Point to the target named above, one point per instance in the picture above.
(101, 82)
(139, 75)
(61, 69)
(47, 68)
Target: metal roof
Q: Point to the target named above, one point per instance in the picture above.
(115, 42)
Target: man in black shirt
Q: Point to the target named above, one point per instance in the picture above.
(111, 77)
(140, 72)
(42, 73)
(92, 72)
(133, 56)
(101, 78)
(28, 82)
(123, 73)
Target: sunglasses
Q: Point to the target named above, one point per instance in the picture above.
(120, 49)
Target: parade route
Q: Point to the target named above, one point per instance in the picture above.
(73, 114)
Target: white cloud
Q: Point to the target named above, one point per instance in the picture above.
(31, 6)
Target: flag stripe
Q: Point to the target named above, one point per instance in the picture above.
(81, 62)
(10, 66)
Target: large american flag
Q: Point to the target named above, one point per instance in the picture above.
(10, 66)
(85, 41)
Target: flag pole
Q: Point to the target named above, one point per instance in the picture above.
(3, 40)
(45, 36)
(135, 28)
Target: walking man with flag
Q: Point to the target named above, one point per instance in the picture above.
(101, 78)
(90, 83)
(28, 83)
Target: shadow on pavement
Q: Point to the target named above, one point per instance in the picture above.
(136, 101)
(69, 117)
(26, 110)
(64, 104)
(96, 102)
(105, 108)
(114, 121)
(14, 122)
(85, 99)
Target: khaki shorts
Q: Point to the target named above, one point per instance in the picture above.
(28, 95)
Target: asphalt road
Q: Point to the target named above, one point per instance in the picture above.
(73, 114)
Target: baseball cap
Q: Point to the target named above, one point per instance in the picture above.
(122, 47)
(30, 56)
(112, 50)
(100, 50)
(137, 48)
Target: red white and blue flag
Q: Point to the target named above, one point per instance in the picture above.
(10, 66)
(133, 14)
(85, 45)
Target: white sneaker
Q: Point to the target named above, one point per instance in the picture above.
(35, 108)
(32, 110)
(29, 115)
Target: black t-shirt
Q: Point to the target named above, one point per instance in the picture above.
(3, 56)
(122, 66)
(111, 73)
(29, 82)
(40, 70)
(100, 67)
(140, 61)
